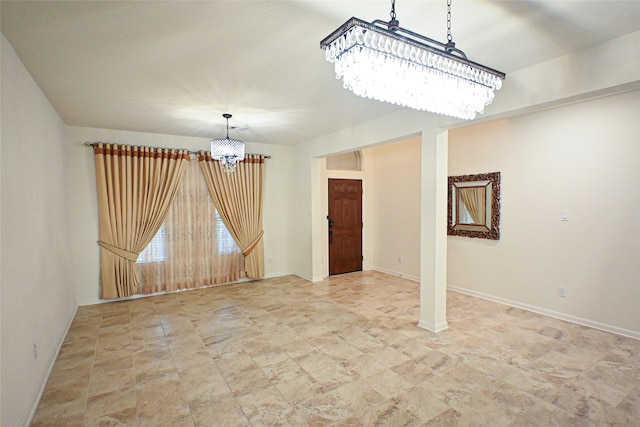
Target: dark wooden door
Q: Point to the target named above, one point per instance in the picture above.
(345, 226)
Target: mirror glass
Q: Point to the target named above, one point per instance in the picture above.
(474, 205)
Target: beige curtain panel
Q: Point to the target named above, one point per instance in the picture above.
(474, 200)
(135, 187)
(197, 251)
(238, 198)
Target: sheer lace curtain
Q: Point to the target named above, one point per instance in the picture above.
(193, 247)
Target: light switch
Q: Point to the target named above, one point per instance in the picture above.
(564, 215)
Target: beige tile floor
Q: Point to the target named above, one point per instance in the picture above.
(343, 352)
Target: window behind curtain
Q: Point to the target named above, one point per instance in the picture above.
(193, 248)
(155, 250)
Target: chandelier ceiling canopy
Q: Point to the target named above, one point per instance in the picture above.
(385, 62)
(226, 150)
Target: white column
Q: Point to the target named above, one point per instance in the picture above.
(318, 213)
(433, 231)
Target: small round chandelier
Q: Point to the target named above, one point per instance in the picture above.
(226, 150)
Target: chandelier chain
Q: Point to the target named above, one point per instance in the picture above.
(393, 10)
(449, 36)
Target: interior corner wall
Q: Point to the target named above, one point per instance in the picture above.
(38, 301)
(83, 207)
(582, 158)
(394, 186)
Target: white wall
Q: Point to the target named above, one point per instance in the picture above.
(37, 294)
(394, 186)
(576, 76)
(583, 158)
(83, 208)
(1, 41)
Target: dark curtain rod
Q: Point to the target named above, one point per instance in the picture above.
(195, 153)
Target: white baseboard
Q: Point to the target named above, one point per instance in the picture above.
(397, 274)
(555, 314)
(439, 327)
(273, 275)
(34, 407)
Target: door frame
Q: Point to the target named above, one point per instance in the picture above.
(355, 257)
(355, 175)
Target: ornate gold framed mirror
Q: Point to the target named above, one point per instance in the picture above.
(474, 206)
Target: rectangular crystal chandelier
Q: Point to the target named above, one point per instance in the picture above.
(382, 61)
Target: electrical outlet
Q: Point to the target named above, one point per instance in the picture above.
(35, 351)
(399, 260)
(562, 292)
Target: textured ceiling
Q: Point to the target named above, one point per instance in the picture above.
(175, 67)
